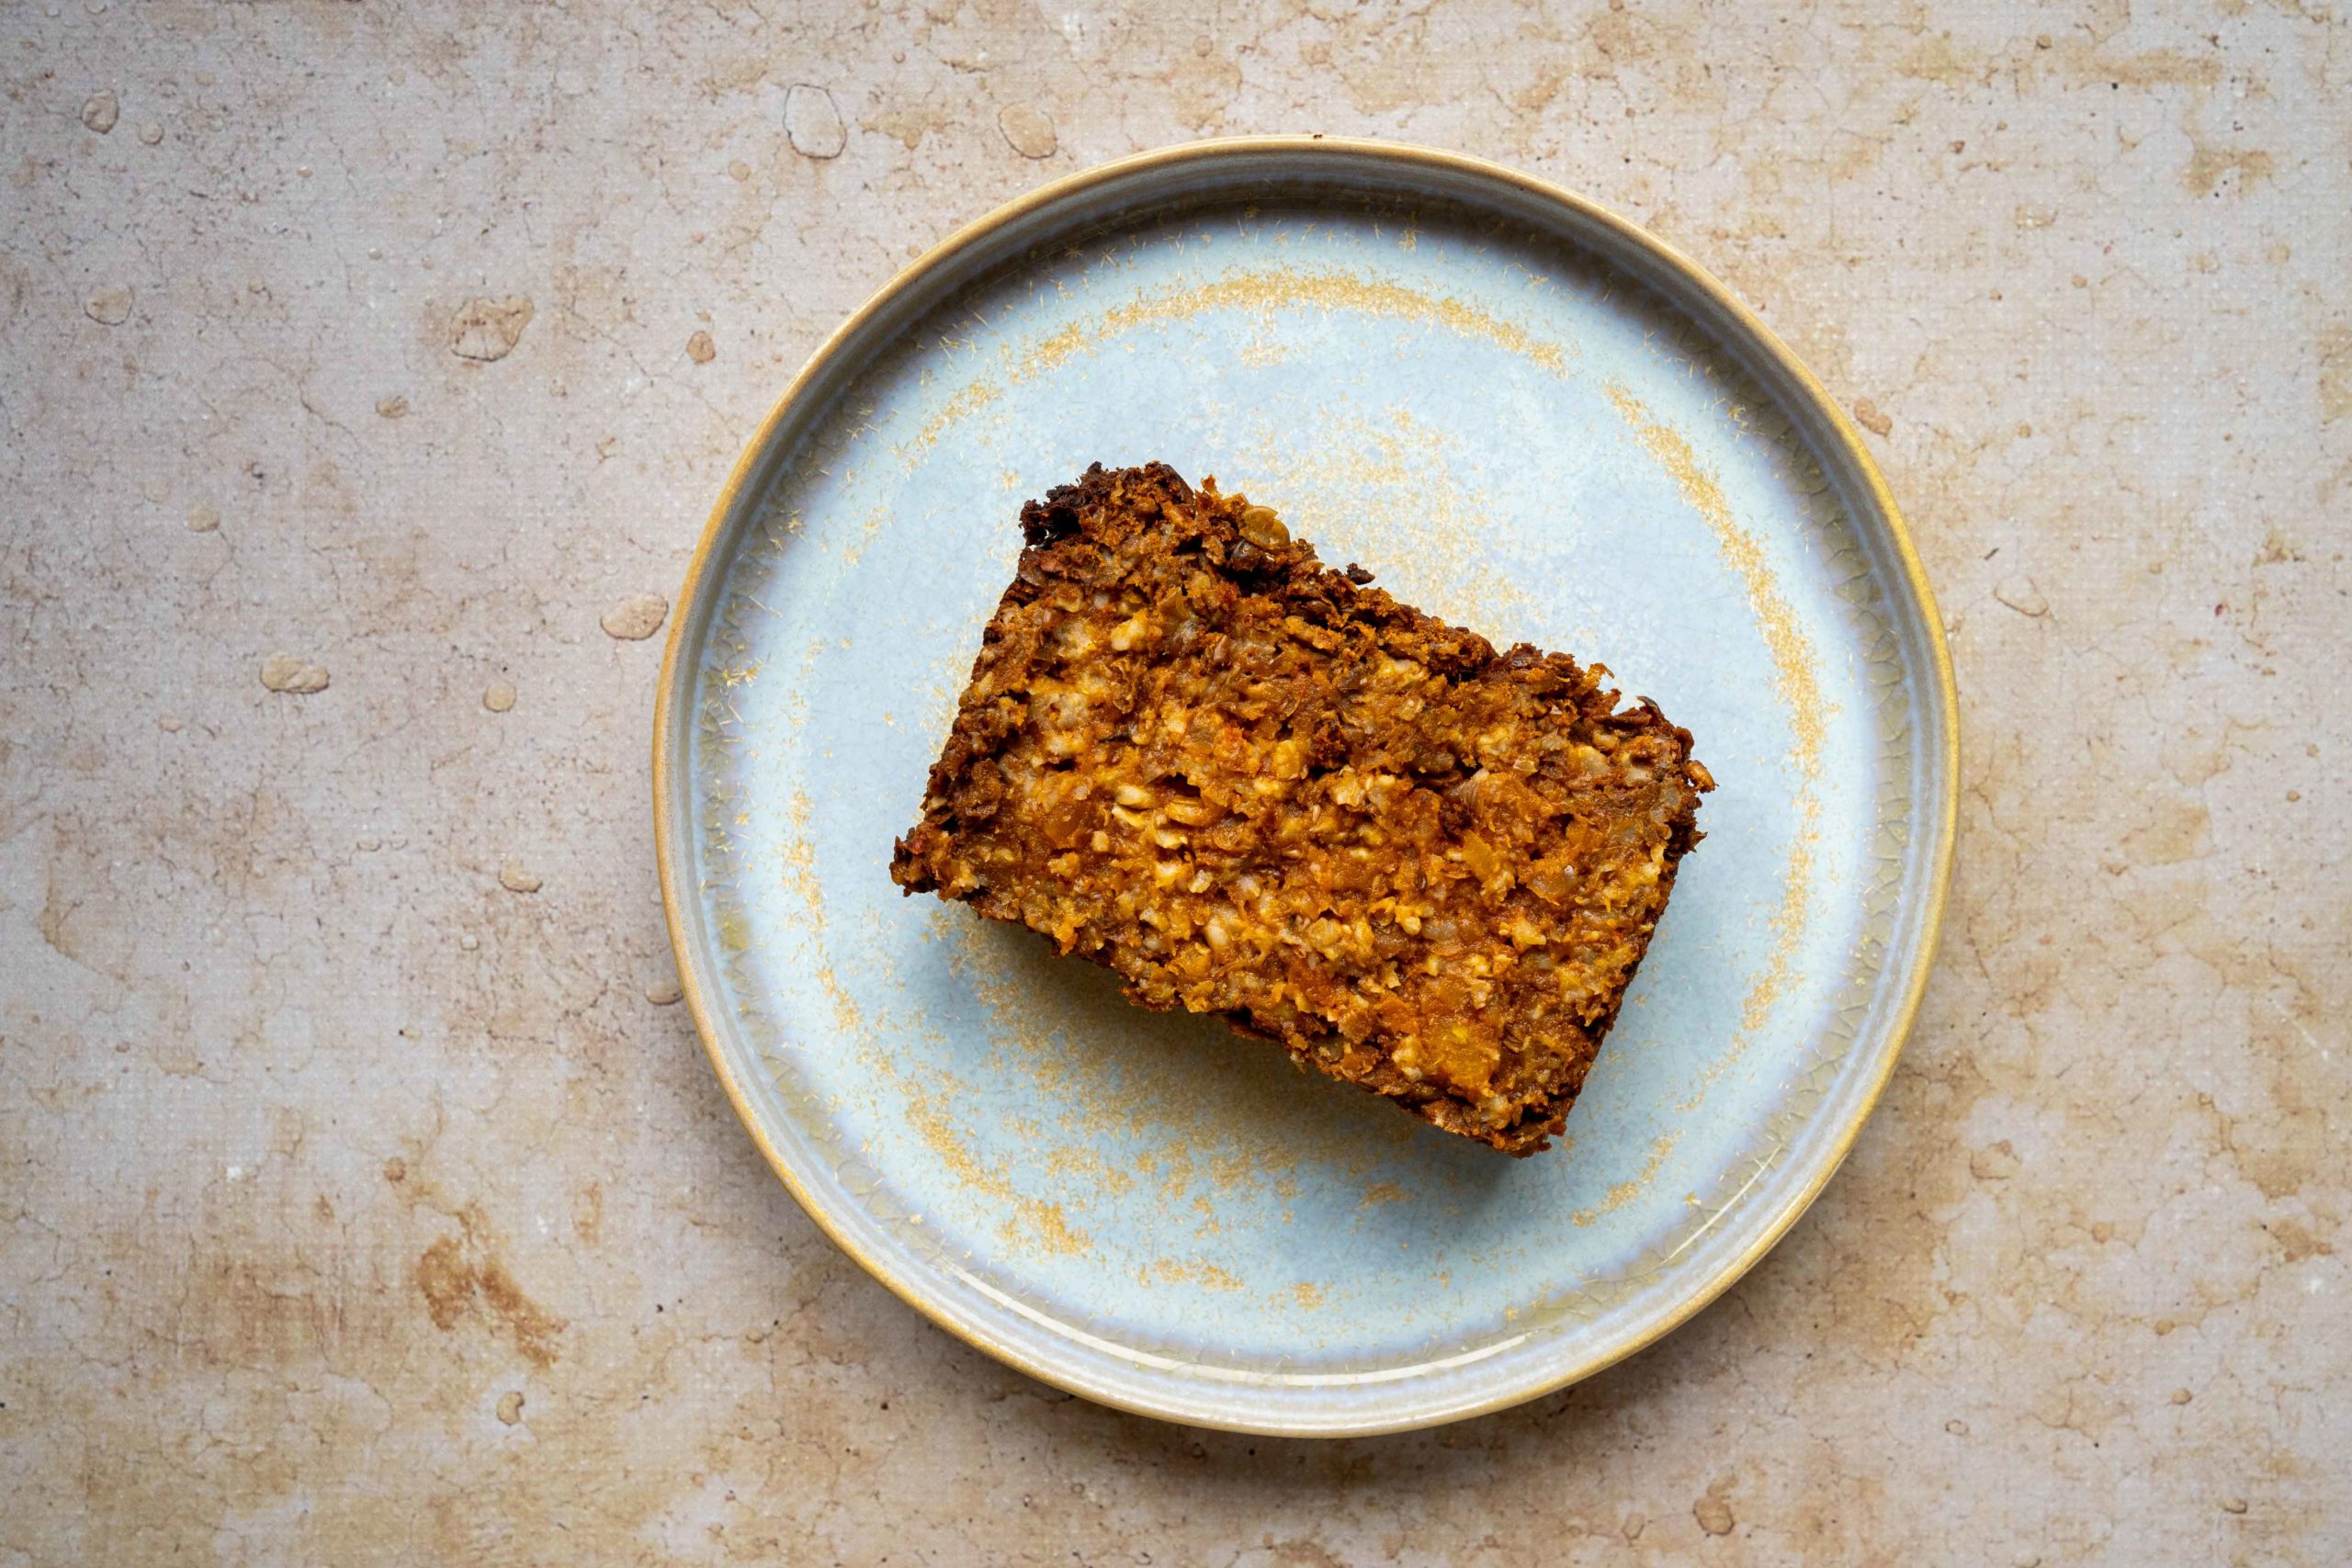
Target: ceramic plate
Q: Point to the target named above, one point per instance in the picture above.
(1529, 418)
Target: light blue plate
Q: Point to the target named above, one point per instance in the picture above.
(1527, 417)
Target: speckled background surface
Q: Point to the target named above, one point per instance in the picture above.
(363, 369)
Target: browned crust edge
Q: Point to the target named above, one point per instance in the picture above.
(1291, 573)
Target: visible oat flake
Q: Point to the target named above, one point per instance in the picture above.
(812, 122)
(485, 330)
(1258, 788)
(1028, 131)
(637, 617)
(295, 677)
(109, 307)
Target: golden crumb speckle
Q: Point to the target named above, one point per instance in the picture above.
(1033, 1220)
(1264, 292)
(1392, 480)
(1269, 291)
(1029, 1221)
(1195, 1271)
(1795, 679)
(1625, 1192)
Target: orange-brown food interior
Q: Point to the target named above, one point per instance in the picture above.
(1255, 787)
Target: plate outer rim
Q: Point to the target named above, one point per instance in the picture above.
(1936, 777)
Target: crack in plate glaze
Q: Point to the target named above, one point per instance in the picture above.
(1524, 416)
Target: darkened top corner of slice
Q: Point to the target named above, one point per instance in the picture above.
(1114, 519)
(1102, 496)
(1331, 742)
(1124, 525)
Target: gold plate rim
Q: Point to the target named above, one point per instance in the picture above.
(669, 770)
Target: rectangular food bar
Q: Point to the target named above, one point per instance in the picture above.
(1258, 787)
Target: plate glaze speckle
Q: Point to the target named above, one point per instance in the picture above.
(1525, 416)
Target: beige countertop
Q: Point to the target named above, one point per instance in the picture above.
(361, 1199)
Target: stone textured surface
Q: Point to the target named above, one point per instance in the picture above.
(364, 1203)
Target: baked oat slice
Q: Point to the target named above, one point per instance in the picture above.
(1261, 788)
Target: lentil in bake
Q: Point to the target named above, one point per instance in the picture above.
(1258, 787)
